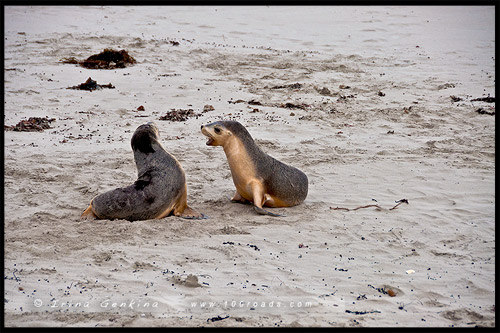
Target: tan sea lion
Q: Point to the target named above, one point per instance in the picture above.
(258, 177)
(160, 189)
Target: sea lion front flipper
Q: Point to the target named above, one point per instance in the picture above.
(262, 211)
(192, 214)
(259, 198)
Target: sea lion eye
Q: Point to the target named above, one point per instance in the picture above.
(217, 130)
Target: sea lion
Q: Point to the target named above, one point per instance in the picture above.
(258, 177)
(160, 189)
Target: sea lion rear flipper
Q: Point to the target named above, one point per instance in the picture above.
(237, 198)
(191, 214)
(259, 198)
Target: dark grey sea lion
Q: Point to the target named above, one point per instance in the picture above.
(160, 189)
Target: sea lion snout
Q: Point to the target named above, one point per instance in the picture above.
(218, 133)
(149, 126)
(153, 126)
(206, 132)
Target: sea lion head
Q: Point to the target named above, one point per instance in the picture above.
(144, 137)
(218, 133)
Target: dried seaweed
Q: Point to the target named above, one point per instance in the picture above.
(91, 85)
(483, 111)
(179, 115)
(484, 99)
(294, 106)
(33, 124)
(399, 202)
(288, 86)
(107, 59)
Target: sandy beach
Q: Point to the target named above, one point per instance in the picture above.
(375, 104)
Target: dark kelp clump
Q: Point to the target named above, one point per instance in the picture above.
(91, 85)
(483, 111)
(179, 115)
(107, 59)
(488, 99)
(33, 124)
(289, 86)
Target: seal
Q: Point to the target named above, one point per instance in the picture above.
(258, 177)
(159, 191)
